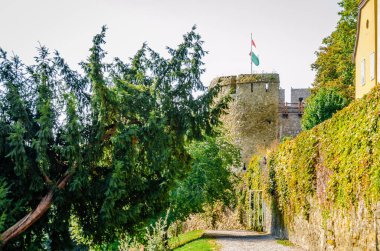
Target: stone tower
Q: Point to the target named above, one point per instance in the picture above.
(252, 119)
(291, 113)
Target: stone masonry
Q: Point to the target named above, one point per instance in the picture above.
(252, 119)
(258, 115)
(290, 122)
(299, 95)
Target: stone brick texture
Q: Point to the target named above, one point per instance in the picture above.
(355, 230)
(253, 119)
(296, 94)
(328, 228)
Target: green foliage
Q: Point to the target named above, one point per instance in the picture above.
(116, 133)
(334, 66)
(252, 180)
(157, 236)
(185, 238)
(4, 203)
(210, 178)
(254, 170)
(344, 151)
(322, 106)
(294, 173)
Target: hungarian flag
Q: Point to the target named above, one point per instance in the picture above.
(253, 54)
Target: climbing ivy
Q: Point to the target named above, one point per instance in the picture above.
(336, 162)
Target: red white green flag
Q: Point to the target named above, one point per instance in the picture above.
(254, 55)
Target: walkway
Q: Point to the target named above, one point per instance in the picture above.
(247, 240)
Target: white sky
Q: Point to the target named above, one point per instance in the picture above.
(286, 32)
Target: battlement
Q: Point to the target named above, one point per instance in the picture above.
(246, 79)
(258, 78)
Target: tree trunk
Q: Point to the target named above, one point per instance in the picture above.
(23, 224)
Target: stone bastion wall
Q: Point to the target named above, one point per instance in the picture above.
(252, 118)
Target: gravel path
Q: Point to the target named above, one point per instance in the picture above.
(247, 240)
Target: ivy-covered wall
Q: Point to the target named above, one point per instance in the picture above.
(324, 185)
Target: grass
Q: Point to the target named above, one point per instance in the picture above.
(202, 244)
(285, 243)
(185, 238)
(192, 241)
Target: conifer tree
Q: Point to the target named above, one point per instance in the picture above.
(102, 148)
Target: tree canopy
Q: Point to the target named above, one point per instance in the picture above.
(334, 66)
(101, 148)
(335, 70)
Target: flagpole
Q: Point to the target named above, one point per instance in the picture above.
(251, 54)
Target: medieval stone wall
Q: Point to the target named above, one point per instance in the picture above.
(354, 230)
(333, 229)
(325, 226)
(252, 119)
(290, 125)
(282, 96)
(297, 94)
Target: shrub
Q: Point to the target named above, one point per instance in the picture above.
(322, 106)
(157, 235)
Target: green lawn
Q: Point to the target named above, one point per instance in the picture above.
(285, 243)
(203, 244)
(192, 241)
